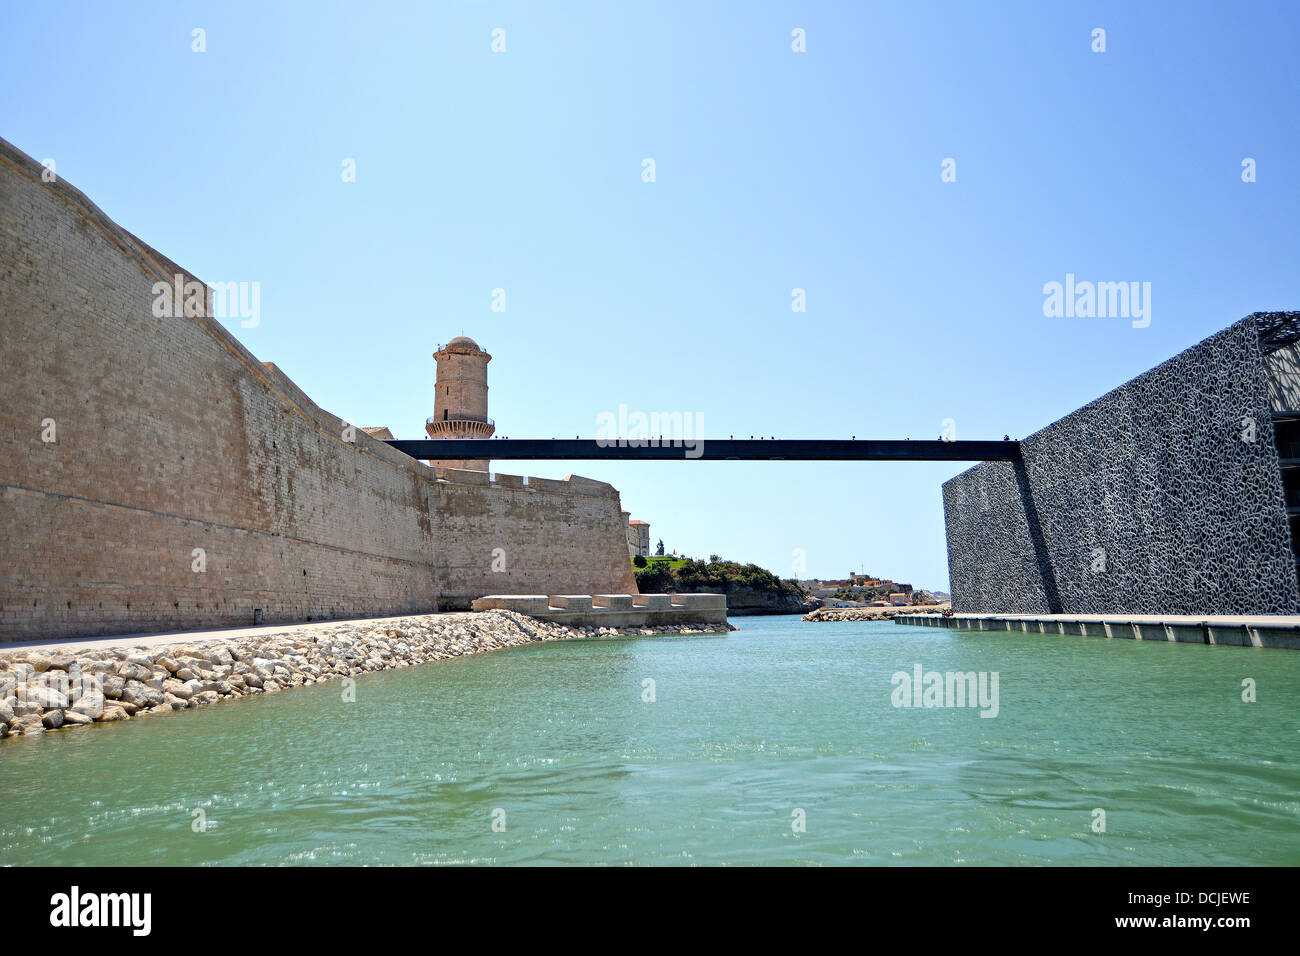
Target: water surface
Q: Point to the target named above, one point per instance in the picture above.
(744, 731)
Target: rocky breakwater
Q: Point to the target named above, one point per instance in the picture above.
(742, 601)
(56, 687)
(870, 613)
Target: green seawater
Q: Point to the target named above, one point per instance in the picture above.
(556, 743)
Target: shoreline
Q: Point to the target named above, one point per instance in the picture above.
(52, 686)
(826, 614)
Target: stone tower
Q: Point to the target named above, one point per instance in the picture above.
(460, 398)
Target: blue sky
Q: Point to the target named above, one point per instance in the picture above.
(775, 170)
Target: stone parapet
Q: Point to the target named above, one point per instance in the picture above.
(702, 602)
(572, 602)
(614, 610)
(531, 604)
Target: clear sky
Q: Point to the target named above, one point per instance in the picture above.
(774, 170)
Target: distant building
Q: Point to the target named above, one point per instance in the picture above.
(638, 537)
(897, 597)
(379, 431)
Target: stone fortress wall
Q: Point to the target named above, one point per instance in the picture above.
(1155, 498)
(171, 437)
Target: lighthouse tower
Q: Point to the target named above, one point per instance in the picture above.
(460, 399)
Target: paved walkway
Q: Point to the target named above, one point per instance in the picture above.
(1194, 620)
(185, 637)
(1250, 630)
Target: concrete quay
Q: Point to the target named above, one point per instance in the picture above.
(1263, 630)
(613, 610)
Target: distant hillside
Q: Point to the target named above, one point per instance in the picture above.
(749, 588)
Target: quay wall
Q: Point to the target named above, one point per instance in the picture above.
(1155, 498)
(1224, 631)
(170, 436)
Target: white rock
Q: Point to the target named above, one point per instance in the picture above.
(89, 703)
(142, 695)
(46, 698)
(38, 661)
(29, 725)
(133, 671)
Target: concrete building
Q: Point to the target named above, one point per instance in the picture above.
(1176, 493)
(460, 399)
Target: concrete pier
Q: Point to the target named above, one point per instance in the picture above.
(613, 610)
(1230, 629)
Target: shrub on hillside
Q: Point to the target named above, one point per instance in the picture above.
(715, 575)
(655, 579)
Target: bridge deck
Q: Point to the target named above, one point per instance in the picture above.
(711, 449)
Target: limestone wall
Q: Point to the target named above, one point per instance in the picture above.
(544, 536)
(172, 437)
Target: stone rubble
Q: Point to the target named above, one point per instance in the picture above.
(49, 688)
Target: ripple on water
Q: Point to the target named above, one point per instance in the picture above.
(555, 744)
